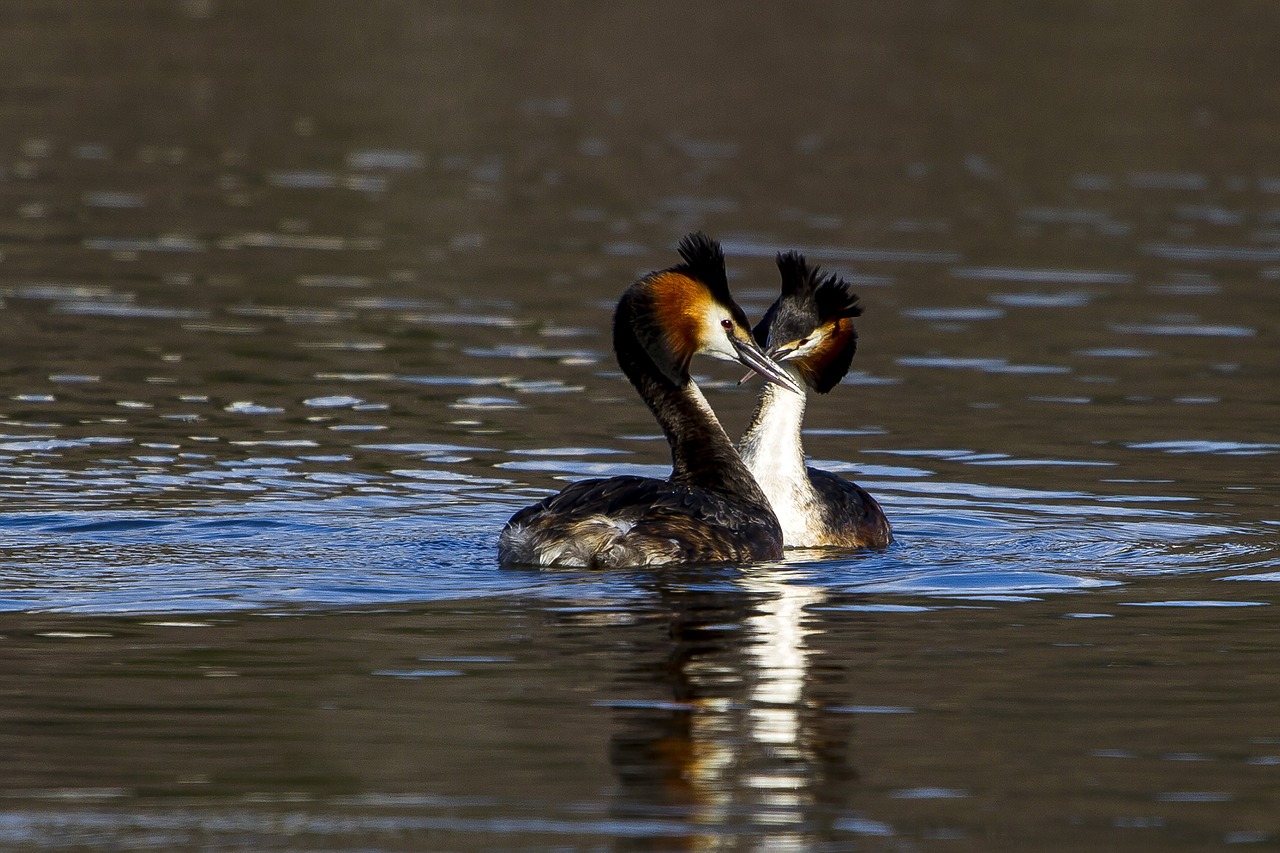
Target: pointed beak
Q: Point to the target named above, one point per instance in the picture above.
(778, 354)
(782, 353)
(751, 356)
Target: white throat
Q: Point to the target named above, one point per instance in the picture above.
(773, 451)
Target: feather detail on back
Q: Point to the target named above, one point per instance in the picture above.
(635, 521)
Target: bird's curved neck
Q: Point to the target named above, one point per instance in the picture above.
(772, 447)
(701, 453)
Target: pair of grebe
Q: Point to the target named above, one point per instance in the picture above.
(718, 506)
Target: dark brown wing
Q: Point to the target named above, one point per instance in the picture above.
(610, 496)
(639, 521)
(852, 515)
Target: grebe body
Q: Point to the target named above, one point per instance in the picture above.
(810, 331)
(710, 510)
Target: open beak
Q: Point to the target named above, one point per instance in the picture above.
(751, 356)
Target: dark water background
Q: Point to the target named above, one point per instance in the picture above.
(299, 301)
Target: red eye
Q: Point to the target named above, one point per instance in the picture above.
(727, 325)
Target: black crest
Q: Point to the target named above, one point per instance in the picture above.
(704, 260)
(809, 299)
(829, 293)
(812, 303)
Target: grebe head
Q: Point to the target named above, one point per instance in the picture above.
(810, 326)
(687, 309)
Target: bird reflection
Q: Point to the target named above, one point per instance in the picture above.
(737, 742)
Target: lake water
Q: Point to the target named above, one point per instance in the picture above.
(300, 301)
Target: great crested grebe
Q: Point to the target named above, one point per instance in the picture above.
(809, 329)
(711, 509)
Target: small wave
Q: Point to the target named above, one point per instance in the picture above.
(1225, 448)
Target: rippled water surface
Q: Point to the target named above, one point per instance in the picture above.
(299, 302)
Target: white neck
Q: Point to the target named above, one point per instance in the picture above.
(773, 451)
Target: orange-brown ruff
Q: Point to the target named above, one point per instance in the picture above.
(809, 329)
(710, 510)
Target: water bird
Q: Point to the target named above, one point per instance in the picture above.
(710, 510)
(809, 330)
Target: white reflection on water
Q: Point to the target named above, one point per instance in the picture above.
(336, 401)
(1116, 352)
(1066, 299)
(736, 743)
(1064, 276)
(575, 470)
(517, 351)
(1199, 330)
(483, 403)
(248, 407)
(986, 365)
(1226, 448)
(1245, 254)
(957, 314)
(777, 646)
